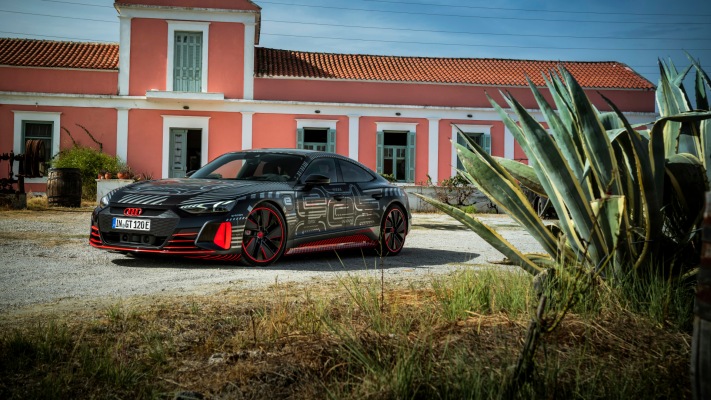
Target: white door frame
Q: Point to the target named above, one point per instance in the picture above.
(173, 121)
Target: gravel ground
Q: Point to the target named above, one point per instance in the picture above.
(45, 258)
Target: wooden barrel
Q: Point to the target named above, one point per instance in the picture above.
(64, 187)
(701, 341)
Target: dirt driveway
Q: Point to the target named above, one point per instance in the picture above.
(45, 257)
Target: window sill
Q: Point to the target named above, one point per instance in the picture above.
(36, 180)
(160, 95)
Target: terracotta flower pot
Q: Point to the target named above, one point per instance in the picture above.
(122, 175)
(108, 175)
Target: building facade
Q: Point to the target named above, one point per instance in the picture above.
(188, 81)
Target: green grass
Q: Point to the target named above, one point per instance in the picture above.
(453, 336)
(483, 292)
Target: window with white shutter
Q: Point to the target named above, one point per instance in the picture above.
(395, 153)
(187, 62)
(483, 140)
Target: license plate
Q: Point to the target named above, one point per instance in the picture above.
(131, 224)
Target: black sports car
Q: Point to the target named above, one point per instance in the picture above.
(256, 205)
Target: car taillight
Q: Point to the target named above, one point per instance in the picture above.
(223, 236)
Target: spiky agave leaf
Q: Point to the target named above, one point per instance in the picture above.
(684, 196)
(645, 212)
(609, 214)
(702, 132)
(701, 74)
(566, 224)
(487, 233)
(671, 100)
(563, 188)
(560, 131)
(566, 111)
(598, 149)
(702, 101)
(497, 184)
(705, 139)
(523, 173)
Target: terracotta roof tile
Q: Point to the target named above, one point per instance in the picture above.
(473, 71)
(53, 54)
(298, 64)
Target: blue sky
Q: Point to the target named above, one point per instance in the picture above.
(635, 32)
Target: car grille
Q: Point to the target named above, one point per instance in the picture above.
(163, 223)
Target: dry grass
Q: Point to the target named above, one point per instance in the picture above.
(341, 340)
(39, 203)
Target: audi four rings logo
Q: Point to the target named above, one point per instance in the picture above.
(132, 212)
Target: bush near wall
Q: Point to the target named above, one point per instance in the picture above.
(91, 162)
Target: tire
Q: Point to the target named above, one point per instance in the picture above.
(264, 238)
(393, 230)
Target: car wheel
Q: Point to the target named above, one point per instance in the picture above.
(264, 236)
(393, 230)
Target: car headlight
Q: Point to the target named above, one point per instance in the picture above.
(208, 208)
(104, 201)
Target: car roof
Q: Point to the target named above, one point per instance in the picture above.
(299, 152)
(308, 154)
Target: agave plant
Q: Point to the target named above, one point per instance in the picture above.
(624, 195)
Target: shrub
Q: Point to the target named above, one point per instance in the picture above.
(389, 177)
(90, 162)
(455, 191)
(470, 209)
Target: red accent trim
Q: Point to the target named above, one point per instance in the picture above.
(345, 242)
(188, 249)
(221, 257)
(157, 251)
(223, 236)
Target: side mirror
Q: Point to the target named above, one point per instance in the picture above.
(315, 180)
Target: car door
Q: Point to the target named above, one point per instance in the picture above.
(366, 194)
(323, 208)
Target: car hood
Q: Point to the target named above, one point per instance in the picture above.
(182, 191)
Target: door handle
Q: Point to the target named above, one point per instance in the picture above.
(338, 197)
(377, 196)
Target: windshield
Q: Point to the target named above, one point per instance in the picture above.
(272, 167)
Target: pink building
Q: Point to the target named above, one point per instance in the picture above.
(188, 82)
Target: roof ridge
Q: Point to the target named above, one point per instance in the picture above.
(344, 66)
(440, 70)
(58, 41)
(443, 58)
(25, 52)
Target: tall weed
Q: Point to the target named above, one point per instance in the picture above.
(484, 291)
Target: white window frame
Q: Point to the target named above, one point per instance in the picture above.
(184, 122)
(318, 124)
(396, 126)
(402, 127)
(35, 116)
(483, 129)
(183, 26)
